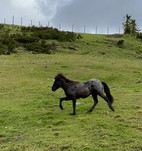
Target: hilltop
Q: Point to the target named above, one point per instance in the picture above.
(16, 39)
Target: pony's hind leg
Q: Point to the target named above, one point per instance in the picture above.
(109, 103)
(94, 95)
(107, 100)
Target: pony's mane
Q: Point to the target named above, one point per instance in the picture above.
(67, 79)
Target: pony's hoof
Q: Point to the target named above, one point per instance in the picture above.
(72, 114)
(89, 111)
(113, 110)
(61, 108)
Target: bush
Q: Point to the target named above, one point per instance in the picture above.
(33, 39)
(26, 39)
(2, 49)
(120, 43)
(39, 47)
(70, 36)
(50, 33)
(42, 35)
(139, 35)
(8, 44)
(1, 26)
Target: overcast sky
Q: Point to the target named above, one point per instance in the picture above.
(95, 15)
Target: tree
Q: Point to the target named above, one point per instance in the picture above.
(126, 24)
(130, 26)
(133, 26)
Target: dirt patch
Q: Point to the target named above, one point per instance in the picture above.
(117, 116)
(137, 148)
(138, 82)
(116, 36)
(60, 123)
(56, 134)
(64, 148)
(108, 41)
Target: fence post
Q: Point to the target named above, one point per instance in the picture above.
(72, 27)
(96, 30)
(31, 23)
(59, 27)
(49, 24)
(119, 30)
(13, 20)
(4, 21)
(21, 21)
(84, 28)
(107, 30)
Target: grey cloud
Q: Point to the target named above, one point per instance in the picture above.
(50, 7)
(99, 13)
(28, 10)
(88, 13)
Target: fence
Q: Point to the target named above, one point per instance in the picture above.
(73, 28)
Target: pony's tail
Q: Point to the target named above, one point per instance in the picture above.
(107, 91)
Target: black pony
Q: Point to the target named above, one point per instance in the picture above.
(75, 90)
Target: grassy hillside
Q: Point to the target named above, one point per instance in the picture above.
(15, 39)
(30, 119)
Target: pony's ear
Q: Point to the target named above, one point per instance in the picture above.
(60, 74)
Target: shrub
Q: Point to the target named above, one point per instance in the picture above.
(50, 33)
(42, 35)
(8, 44)
(2, 49)
(26, 39)
(79, 36)
(11, 45)
(70, 36)
(33, 39)
(39, 47)
(120, 43)
(1, 27)
(139, 35)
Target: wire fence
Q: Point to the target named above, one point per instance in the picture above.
(96, 29)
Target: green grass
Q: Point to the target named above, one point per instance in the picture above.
(106, 45)
(30, 119)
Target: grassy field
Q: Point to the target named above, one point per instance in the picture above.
(30, 119)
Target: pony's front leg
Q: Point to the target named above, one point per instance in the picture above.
(61, 100)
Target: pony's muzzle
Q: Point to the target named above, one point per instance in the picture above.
(53, 89)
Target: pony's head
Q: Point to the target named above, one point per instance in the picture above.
(58, 82)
